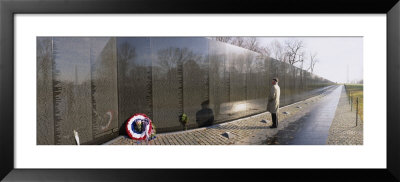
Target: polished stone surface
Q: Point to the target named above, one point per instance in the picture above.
(134, 78)
(45, 113)
(180, 80)
(219, 81)
(103, 61)
(72, 89)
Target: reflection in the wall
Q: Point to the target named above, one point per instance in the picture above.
(180, 80)
(167, 83)
(237, 61)
(103, 59)
(134, 78)
(219, 82)
(205, 116)
(72, 89)
(257, 84)
(45, 117)
(239, 107)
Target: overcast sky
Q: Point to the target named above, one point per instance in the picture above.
(334, 54)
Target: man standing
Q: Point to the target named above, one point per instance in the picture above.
(273, 102)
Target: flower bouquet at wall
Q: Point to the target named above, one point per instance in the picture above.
(183, 119)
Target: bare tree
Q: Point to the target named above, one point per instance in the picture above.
(291, 52)
(125, 53)
(294, 49)
(44, 58)
(264, 51)
(313, 61)
(173, 58)
(238, 41)
(276, 50)
(223, 39)
(251, 43)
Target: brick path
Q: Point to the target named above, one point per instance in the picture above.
(250, 130)
(343, 130)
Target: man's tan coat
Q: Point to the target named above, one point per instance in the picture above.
(273, 99)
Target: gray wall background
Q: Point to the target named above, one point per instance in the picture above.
(93, 85)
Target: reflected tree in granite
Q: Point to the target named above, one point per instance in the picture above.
(237, 64)
(104, 85)
(178, 71)
(219, 82)
(45, 122)
(125, 53)
(72, 90)
(134, 78)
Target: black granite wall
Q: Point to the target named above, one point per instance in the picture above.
(93, 85)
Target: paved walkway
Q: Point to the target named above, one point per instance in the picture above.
(250, 130)
(312, 126)
(343, 130)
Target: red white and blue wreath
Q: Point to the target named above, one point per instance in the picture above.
(139, 127)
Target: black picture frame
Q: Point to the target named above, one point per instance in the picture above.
(9, 8)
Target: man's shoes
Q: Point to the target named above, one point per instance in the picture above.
(273, 126)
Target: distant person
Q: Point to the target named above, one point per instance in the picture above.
(205, 117)
(273, 102)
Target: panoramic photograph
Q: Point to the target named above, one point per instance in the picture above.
(199, 90)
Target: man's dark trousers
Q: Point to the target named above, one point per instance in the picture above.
(274, 120)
